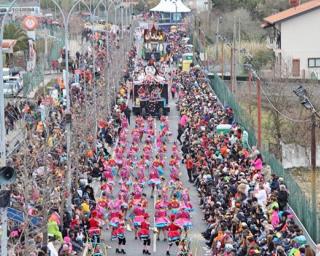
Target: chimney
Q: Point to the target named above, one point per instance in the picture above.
(294, 3)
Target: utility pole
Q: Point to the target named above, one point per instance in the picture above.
(259, 112)
(217, 37)
(231, 69)
(234, 61)
(305, 101)
(239, 38)
(217, 41)
(314, 170)
(222, 59)
(249, 82)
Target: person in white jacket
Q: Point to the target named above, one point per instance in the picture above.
(261, 195)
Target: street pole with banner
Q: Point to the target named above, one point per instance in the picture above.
(68, 117)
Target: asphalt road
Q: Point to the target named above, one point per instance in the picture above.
(134, 247)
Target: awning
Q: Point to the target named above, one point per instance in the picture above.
(171, 6)
(7, 45)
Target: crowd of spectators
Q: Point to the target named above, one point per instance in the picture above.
(40, 190)
(12, 112)
(244, 206)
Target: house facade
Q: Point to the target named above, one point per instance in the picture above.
(294, 35)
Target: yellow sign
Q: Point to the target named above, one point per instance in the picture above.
(186, 65)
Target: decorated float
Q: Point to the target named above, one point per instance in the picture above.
(153, 47)
(150, 93)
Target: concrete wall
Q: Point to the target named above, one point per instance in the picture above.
(296, 156)
(300, 39)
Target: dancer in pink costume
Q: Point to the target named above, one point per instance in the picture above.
(124, 175)
(135, 135)
(175, 151)
(186, 200)
(140, 175)
(119, 156)
(174, 174)
(124, 122)
(154, 179)
(137, 217)
(108, 175)
(107, 188)
(151, 134)
(150, 121)
(147, 151)
(183, 219)
(161, 219)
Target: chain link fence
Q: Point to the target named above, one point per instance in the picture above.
(297, 200)
(32, 80)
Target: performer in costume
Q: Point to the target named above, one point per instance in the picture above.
(154, 179)
(119, 232)
(144, 235)
(174, 234)
(183, 219)
(161, 220)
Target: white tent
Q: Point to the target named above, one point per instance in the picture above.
(171, 6)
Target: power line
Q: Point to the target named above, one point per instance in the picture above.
(282, 114)
(267, 97)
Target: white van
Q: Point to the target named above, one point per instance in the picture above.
(6, 73)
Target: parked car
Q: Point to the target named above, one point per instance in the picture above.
(19, 79)
(17, 71)
(11, 87)
(5, 73)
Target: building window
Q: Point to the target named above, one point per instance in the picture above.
(314, 62)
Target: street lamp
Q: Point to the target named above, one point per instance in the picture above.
(176, 13)
(4, 239)
(66, 20)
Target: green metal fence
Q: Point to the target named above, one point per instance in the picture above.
(32, 80)
(54, 53)
(298, 200)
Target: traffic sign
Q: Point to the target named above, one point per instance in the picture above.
(30, 23)
(18, 216)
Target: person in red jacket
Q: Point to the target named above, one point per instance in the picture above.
(144, 235)
(174, 234)
(94, 224)
(189, 166)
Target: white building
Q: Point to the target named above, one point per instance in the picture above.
(295, 38)
(21, 8)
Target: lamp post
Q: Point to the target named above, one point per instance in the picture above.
(66, 19)
(108, 56)
(121, 15)
(175, 3)
(4, 218)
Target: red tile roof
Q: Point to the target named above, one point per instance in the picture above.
(289, 13)
(8, 43)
